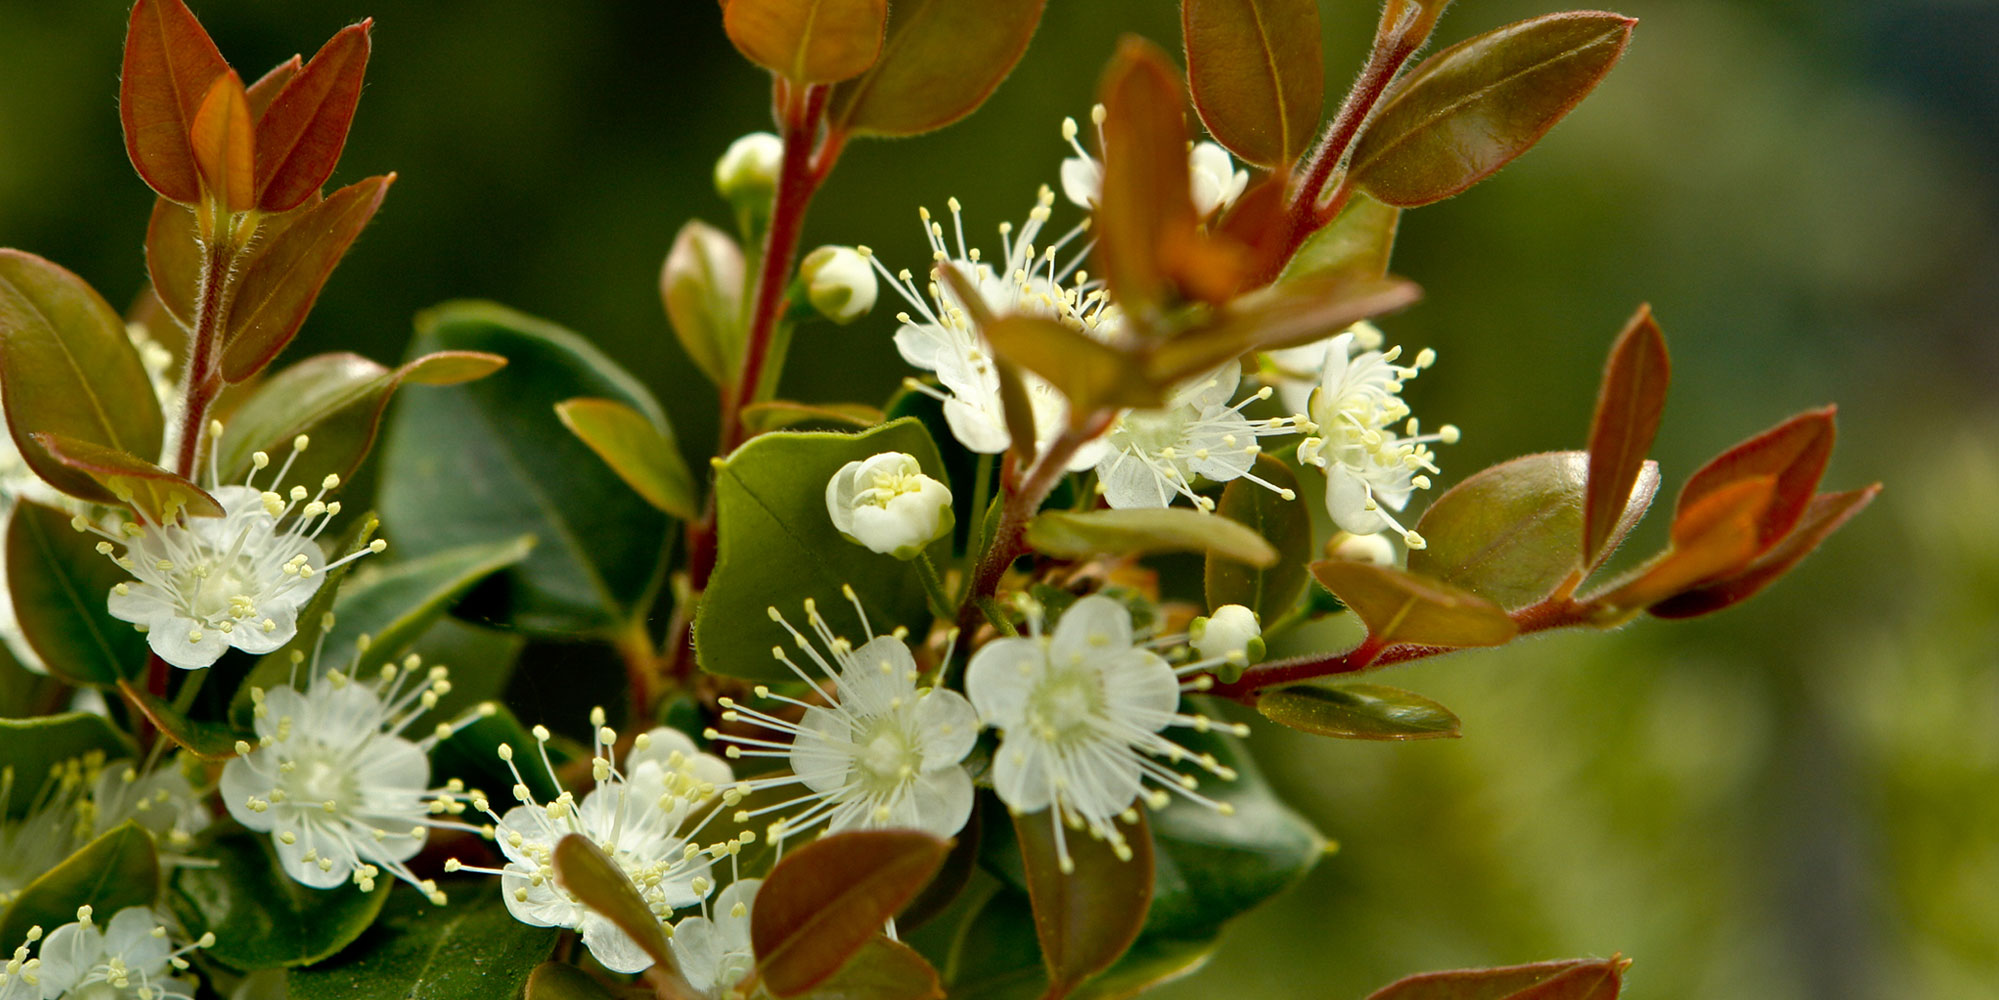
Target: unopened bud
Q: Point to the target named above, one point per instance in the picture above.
(887, 504)
(1231, 635)
(1375, 549)
(840, 282)
(746, 175)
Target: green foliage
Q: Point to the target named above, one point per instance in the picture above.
(31, 748)
(640, 451)
(1270, 591)
(1127, 532)
(114, 871)
(1358, 711)
(58, 584)
(261, 918)
(469, 949)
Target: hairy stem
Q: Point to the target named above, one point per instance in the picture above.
(1016, 508)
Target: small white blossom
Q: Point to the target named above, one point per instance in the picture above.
(344, 795)
(205, 584)
(1295, 371)
(132, 957)
(839, 282)
(1375, 549)
(715, 953)
(1214, 182)
(1151, 456)
(1080, 714)
(887, 504)
(83, 797)
(20, 976)
(1370, 469)
(1231, 634)
(162, 800)
(639, 815)
(748, 169)
(879, 752)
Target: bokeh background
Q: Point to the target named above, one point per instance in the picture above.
(1796, 799)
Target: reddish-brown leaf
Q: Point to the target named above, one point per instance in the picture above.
(1568, 979)
(224, 141)
(1146, 210)
(941, 60)
(266, 89)
(1399, 606)
(154, 492)
(300, 137)
(826, 900)
(1712, 539)
(1257, 74)
(1824, 515)
(1087, 916)
(808, 41)
(173, 258)
(1627, 417)
(1795, 452)
(169, 64)
(280, 285)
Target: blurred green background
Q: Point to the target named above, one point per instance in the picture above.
(1796, 799)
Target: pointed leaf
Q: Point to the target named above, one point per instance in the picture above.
(1086, 913)
(1257, 74)
(642, 453)
(154, 492)
(1568, 979)
(1795, 452)
(1356, 243)
(108, 874)
(59, 584)
(940, 61)
(469, 949)
(209, 741)
(1826, 513)
(1713, 539)
(828, 899)
(1627, 416)
(266, 89)
(1271, 591)
(173, 258)
(1470, 109)
(1128, 532)
(1399, 606)
(225, 143)
(701, 284)
(582, 868)
(1090, 374)
(282, 282)
(778, 414)
(808, 41)
(1286, 315)
(169, 65)
(1146, 209)
(1358, 712)
(67, 367)
(262, 919)
(300, 136)
(1511, 533)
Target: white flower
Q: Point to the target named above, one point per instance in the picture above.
(20, 977)
(1369, 468)
(1375, 549)
(1213, 180)
(1079, 713)
(1153, 455)
(887, 504)
(344, 795)
(879, 752)
(715, 954)
(940, 337)
(840, 282)
(1295, 371)
(748, 169)
(1230, 634)
(205, 584)
(130, 957)
(638, 815)
(162, 800)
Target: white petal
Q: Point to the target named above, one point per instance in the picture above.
(251, 636)
(142, 604)
(1128, 482)
(240, 781)
(1141, 689)
(1109, 782)
(979, 428)
(1001, 675)
(947, 726)
(1092, 628)
(1346, 501)
(942, 801)
(69, 952)
(822, 754)
(1019, 774)
(611, 946)
(697, 949)
(171, 641)
(1082, 180)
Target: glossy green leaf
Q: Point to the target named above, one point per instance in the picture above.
(1567, 979)
(1357, 242)
(472, 755)
(211, 741)
(282, 281)
(941, 60)
(1628, 408)
(67, 367)
(1399, 606)
(1470, 109)
(778, 547)
(1257, 74)
(32, 748)
(59, 585)
(112, 872)
(169, 64)
(262, 919)
(701, 284)
(808, 41)
(161, 496)
(302, 131)
(828, 899)
(582, 868)
(1089, 904)
(1286, 524)
(1166, 529)
(1512, 533)
(641, 452)
(779, 414)
(496, 446)
(1355, 711)
(469, 949)
(1090, 374)
(338, 400)
(562, 981)
(392, 602)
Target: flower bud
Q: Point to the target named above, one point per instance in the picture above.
(1375, 548)
(887, 504)
(746, 175)
(1231, 635)
(840, 283)
(1214, 180)
(702, 286)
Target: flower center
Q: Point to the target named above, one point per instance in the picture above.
(321, 776)
(886, 756)
(890, 485)
(1153, 432)
(1066, 704)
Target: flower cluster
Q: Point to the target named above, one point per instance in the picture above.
(1370, 468)
(131, 957)
(84, 797)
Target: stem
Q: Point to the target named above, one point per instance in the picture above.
(202, 381)
(941, 603)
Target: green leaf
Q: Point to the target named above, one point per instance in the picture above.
(778, 548)
(1399, 606)
(108, 874)
(472, 754)
(33, 748)
(1285, 524)
(1166, 529)
(1087, 912)
(59, 586)
(161, 496)
(807, 41)
(701, 284)
(1568, 979)
(469, 949)
(66, 367)
(641, 452)
(1356, 243)
(1513, 533)
(562, 981)
(1628, 408)
(262, 919)
(338, 401)
(826, 900)
(495, 447)
(1257, 74)
(1473, 107)
(280, 284)
(1358, 712)
(882, 970)
(394, 602)
(940, 61)
(1090, 374)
